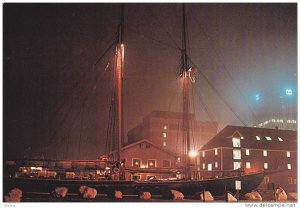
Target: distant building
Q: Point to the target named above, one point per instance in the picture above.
(144, 160)
(250, 149)
(164, 129)
(287, 124)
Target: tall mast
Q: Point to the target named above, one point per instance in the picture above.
(119, 72)
(185, 96)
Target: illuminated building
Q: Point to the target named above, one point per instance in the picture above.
(164, 129)
(288, 124)
(250, 149)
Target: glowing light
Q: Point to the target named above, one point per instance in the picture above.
(257, 97)
(257, 138)
(280, 139)
(289, 91)
(193, 153)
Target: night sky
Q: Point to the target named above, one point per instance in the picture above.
(56, 104)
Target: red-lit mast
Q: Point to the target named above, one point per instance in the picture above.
(185, 73)
(119, 72)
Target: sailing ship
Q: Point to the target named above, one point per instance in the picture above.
(185, 185)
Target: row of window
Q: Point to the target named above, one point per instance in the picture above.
(151, 163)
(237, 153)
(237, 165)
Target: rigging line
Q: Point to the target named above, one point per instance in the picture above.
(67, 113)
(226, 70)
(105, 52)
(166, 31)
(193, 107)
(152, 39)
(205, 107)
(217, 92)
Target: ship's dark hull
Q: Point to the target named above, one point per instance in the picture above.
(216, 186)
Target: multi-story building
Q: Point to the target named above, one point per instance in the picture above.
(250, 149)
(164, 129)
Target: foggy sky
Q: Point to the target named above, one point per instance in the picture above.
(56, 104)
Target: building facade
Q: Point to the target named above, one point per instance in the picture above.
(144, 161)
(250, 149)
(164, 129)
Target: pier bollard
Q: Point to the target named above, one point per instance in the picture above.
(60, 192)
(206, 196)
(231, 198)
(280, 195)
(15, 195)
(87, 192)
(145, 195)
(118, 195)
(177, 195)
(253, 196)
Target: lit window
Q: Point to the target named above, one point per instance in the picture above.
(288, 154)
(209, 167)
(203, 166)
(289, 166)
(236, 165)
(203, 154)
(136, 163)
(178, 159)
(216, 151)
(268, 138)
(248, 165)
(280, 139)
(257, 138)
(237, 154)
(265, 165)
(151, 163)
(216, 164)
(165, 127)
(164, 143)
(236, 142)
(247, 152)
(164, 135)
(265, 153)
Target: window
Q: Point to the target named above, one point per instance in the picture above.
(290, 180)
(136, 177)
(178, 159)
(288, 154)
(164, 135)
(248, 165)
(295, 181)
(151, 163)
(150, 177)
(216, 164)
(203, 166)
(166, 163)
(236, 142)
(247, 152)
(209, 167)
(203, 154)
(265, 153)
(142, 145)
(236, 165)
(237, 154)
(280, 139)
(289, 166)
(164, 143)
(265, 165)
(165, 127)
(216, 151)
(268, 138)
(148, 146)
(257, 138)
(266, 179)
(136, 163)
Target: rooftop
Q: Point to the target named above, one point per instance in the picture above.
(255, 138)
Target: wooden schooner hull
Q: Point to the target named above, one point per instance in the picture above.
(216, 186)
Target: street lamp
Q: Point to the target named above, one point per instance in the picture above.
(289, 92)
